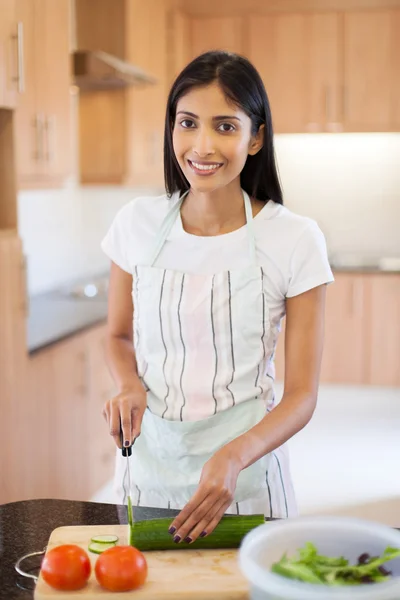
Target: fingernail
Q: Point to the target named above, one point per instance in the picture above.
(127, 443)
(203, 534)
(188, 540)
(172, 530)
(177, 539)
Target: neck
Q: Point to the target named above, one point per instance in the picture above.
(215, 212)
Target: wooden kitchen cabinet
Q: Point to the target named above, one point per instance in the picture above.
(384, 323)
(346, 332)
(71, 453)
(347, 315)
(216, 33)
(145, 109)
(368, 70)
(396, 70)
(13, 409)
(299, 56)
(43, 126)
(329, 72)
(278, 49)
(121, 130)
(11, 48)
(101, 450)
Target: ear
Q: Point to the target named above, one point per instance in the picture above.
(257, 141)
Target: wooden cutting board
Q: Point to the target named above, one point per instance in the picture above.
(172, 575)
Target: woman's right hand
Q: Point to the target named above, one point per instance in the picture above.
(126, 411)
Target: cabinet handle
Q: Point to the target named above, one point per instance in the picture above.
(38, 124)
(50, 138)
(20, 77)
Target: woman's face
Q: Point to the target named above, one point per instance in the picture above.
(212, 138)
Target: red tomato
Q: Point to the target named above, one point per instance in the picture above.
(121, 569)
(66, 567)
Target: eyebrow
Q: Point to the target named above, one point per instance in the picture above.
(217, 118)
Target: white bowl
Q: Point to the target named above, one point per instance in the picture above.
(333, 536)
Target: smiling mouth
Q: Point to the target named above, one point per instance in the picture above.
(204, 169)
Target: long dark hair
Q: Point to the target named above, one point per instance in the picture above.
(242, 84)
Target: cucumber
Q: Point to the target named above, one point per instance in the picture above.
(153, 534)
(100, 547)
(105, 539)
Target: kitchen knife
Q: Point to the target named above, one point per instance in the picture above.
(127, 452)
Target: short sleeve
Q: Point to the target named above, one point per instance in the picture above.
(309, 266)
(116, 242)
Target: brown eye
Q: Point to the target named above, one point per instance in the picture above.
(226, 127)
(187, 123)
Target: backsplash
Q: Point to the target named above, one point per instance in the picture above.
(349, 183)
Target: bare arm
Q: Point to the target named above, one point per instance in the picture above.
(128, 406)
(303, 351)
(303, 354)
(120, 353)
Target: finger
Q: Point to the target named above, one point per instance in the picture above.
(136, 422)
(126, 423)
(207, 526)
(198, 497)
(198, 515)
(115, 424)
(106, 412)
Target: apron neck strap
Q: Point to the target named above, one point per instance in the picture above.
(173, 213)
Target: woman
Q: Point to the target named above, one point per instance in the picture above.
(208, 270)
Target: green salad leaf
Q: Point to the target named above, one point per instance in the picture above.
(311, 567)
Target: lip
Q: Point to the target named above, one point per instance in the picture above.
(204, 173)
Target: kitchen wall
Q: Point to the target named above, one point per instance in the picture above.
(350, 183)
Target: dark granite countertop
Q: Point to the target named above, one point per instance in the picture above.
(26, 527)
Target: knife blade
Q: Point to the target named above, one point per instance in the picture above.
(127, 452)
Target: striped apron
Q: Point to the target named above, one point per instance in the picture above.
(204, 354)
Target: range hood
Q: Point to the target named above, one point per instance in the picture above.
(98, 70)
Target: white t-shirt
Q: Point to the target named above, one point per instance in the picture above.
(290, 248)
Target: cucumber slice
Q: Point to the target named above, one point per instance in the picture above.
(105, 539)
(99, 548)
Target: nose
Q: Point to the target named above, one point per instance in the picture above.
(203, 145)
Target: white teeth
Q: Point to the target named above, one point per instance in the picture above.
(205, 167)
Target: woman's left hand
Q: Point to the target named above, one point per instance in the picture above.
(215, 493)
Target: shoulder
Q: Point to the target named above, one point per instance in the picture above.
(279, 225)
(144, 213)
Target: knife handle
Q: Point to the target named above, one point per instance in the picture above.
(125, 451)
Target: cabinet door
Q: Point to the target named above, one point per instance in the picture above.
(396, 70)
(346, 331)
(179, 43)
(102, 450)
(69, 433)
(14, 422)
(11, 44)
(147, 47)
(40, 471)
(216, 33)
(28, 120)
(278, 49)
(384, 319)
(368, 72)
(324, 55)
(53, 83)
